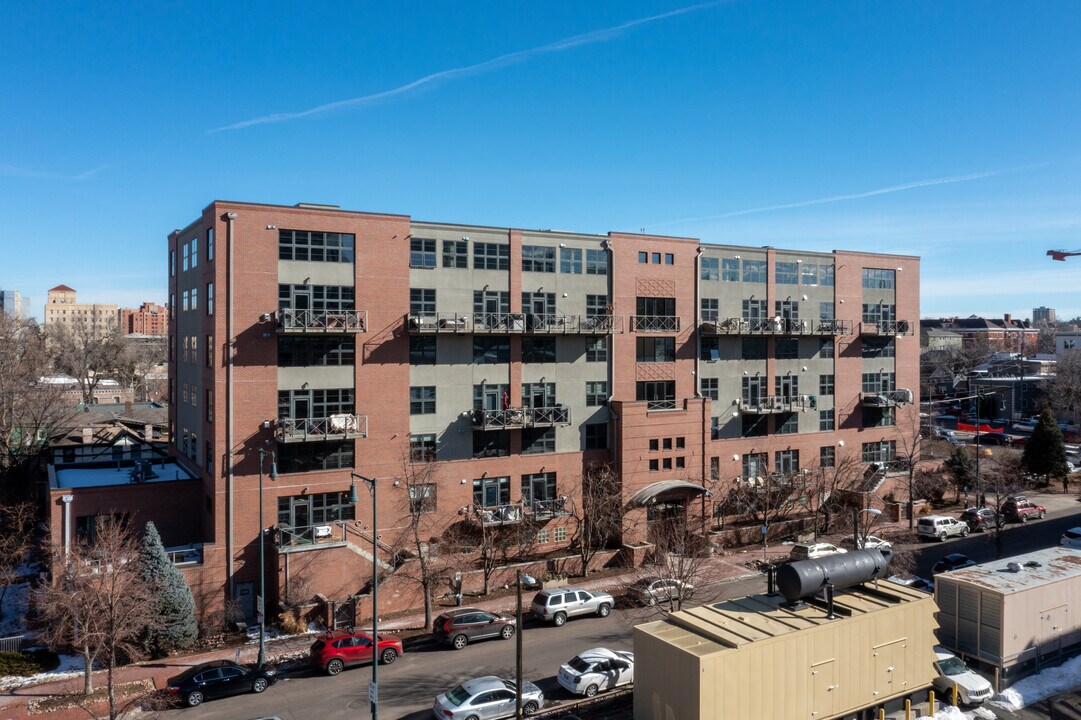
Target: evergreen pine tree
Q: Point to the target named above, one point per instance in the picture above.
(174, 602)
(961, 468)
(1045, 451)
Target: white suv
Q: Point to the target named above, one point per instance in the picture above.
(940, 526)
(813, 551)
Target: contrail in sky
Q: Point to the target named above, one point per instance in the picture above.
(13, 171)
(855, 196)
(454, 73)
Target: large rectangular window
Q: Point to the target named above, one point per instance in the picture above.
(210, 244)
(877, 347)
(296, 351)
(651, 349)
(314, 246)
(491, 256)
(755, 465)
(597, 349)
(879, 313)
(422, 497)
(825, 420)
(596, 262)
(730, 269)
(315, 404)
(808, 274)
(879, 278)
(320, 298)
(456, 253)
(825, 384)
(710, 389)
(538, 349)
(538, 258)
(753, 348)
(491, 492)
(660, 394)
(825, 275)
(306, 457)
(491, 444)
(538, 440)
(301, 511)
(539, 487)
(422, 448)
(711, 349)
(710, 310)
(880, 382)
(711, 268)
(210, 298)
(655, 307)
(754, 271)
(596, 436)
(787, 348)
(786, 462)
(422, 350)
(827, 456)
(754, 309)
(422, 400)
(879, 452)
(786, 273)
(490, 350)
(596, 393)
(570, 260)
(421, 301)
(879, 416)
(421, 253)
(597, 305)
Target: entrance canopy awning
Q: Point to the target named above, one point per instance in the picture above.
(666, 491)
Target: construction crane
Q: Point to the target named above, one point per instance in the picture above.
(1062, 254)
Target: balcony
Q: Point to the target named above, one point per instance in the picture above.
(289, 538)
(774, 326)
(888, 398)
(498, 515)
(654, 323)
(521, 417)
(777, 480)
(886, 327)
(513, 323)
(322, 321)
(547, 509)
(335, 427)
(774, 404)
(652, 405)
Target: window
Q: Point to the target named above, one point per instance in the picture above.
(422, 448)
(539, 303)
(538, 349)
(539, 487)
(754, 271)
(786, 273)
(456, 254)
(879, 313)
(754, 309)
(539, 395)
(538, 258)
(681, 443)
(570, 261)
(315, 246)
(306, 457)
(879, 452)
(659, 394)
(878, 347)
(651, 349)
(666, 463)
(879, 279)
(538, 440)
(788, 424)
(543, 537)
(755, 465)
(787, 348)
(185, 354)
(711, 349)
(422, 350)
(210, 351)
(185, 301)
(825, 275)
(559, 534)
(490, 350)
(710, 389)
(786, 462)
(194, 252)
(669, 259)
(184, 254)
(730, 269)
(597, 349)
(315, 351)
(754, 389)
(654, 445)
(491, 492)
(880, 382)
(711, 268)
(596, 393)
(597, 305)
(210, 298)
(209, 405)
(491, 444)
(656, 258)
(753, 426)
(315, 508)
(422, 498)
(309, 404)
(753, 348)
(825, 420)
(643, 257)
(786, 309)
(596, 436)
(825, 384)
(422, 400)
(491, 256)
(172, 263)
(809, 274)
(786, 386)
(195, 298)
(210, 244)
(825, 311)
(879, 417)
(184, 394)
(421, 253)
(825, 348)
(666, 443)
(421, 300)
(323, 298)
(491, 306)
(827, 456)
(710, 309)
(655, 307)
(596, 262)
(654, 465)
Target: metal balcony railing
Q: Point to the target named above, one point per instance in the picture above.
(764, 483)
(770, 404)
(293, 537)
(521, 417)
(335, 427)
(886, 398)
(661, 404)
(499, 514)
(322, 321)
(774, 326)
(654, 323)
(526, 323)
(886, 327)
(546, 509)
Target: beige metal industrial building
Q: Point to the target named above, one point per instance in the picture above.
(755, 658)
(1011, 615)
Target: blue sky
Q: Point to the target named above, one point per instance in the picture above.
(945, 129)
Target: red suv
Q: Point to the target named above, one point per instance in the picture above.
(339, 649)
(1022, 510)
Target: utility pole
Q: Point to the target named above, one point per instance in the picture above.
(518, 649)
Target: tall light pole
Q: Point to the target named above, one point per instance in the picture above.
(373, 691)
(856, 525)
(262, 541)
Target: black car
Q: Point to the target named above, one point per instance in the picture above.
(219, 678)
(953, 561)
(994, 438)
(980, 519)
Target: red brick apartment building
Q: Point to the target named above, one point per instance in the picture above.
(149, 319)
(354, 342)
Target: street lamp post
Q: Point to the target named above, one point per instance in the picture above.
(856, 524)
(262, 564)
(373, 691)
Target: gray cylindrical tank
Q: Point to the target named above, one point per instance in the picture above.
(808, 577)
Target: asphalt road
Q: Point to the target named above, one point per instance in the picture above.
(408, 688)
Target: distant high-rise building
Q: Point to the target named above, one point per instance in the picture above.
(14, 303)
(1042, 315)
(62, 310)
(149, 319)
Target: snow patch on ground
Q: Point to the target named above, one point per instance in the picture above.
(70, 666)
(1051, 681)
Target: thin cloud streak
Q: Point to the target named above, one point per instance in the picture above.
(854, 196)
(13, 171)
(589, 38)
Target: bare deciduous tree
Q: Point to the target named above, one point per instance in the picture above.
(417, 540)
(598, 518)
(16, 542)
(88, 352)
(679, 557)
(138, 364)
(99, 603)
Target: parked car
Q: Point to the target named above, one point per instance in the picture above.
(589, 672)
(915, 582)
(812, 551)
(940, 526)
(487, 698)
(994, 438)
(1021, 510)
(219, 678)
(557, 604)
(461, 626)
(980, 519)
(652, 590)
(1071, 538)
(871, 542)
(953, 561)
(971, 688)
(339, 649)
